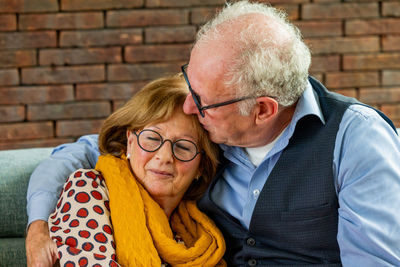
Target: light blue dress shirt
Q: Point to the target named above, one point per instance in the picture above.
(366, 169)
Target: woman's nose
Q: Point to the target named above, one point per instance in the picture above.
(164, 153)
(189, 107)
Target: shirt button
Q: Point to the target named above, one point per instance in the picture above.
(252, 262)
(251, 241)
(256, 193)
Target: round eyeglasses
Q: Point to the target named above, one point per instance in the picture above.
(151, 141)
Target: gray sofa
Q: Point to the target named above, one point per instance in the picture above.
(16, 167)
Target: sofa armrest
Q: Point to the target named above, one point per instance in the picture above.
(16, 167)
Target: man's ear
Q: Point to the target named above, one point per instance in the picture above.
(267, 108)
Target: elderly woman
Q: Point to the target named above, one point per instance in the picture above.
(137, 207)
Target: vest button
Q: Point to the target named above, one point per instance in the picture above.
(252, 262)
(251, 241)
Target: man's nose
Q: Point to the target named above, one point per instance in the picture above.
(189, 107)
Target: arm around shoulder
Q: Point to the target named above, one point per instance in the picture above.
(48, 178)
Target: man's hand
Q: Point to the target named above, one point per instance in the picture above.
(40, 249)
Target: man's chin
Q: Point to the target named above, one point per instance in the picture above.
(215, 138)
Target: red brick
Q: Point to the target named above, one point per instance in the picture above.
(12, 113)
(292, 10)
(21, 40)
(393, 111)
(331, 1)
(117, 104)
(137, 72)
(186, 3)
(99, 4)
(325, 63)
(347, 92)
(22, 6)
(101, 37)
(88, 20)
(80, 56)
(25, 131)
(318, 76)
(36, 94)
(105, 91)
(391, 43)
(391, 77)
(157, 53)
(8, 22)
(9, 77)
(320, 28)
(380, 95)
(178, 34)
(58, 75)
(19, 144)
(274, 2)
(374, 26)
(351, 79)
(371, 61)
(132, 18)
(75, 110)
(201, 15)
(17, 58)
(78, 127)
(339, 10)
(391, 9)
(343, 45)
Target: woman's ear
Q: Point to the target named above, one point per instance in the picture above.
(267, 107)
(129, 138)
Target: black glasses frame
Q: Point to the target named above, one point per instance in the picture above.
(196, 97)
(173, 143)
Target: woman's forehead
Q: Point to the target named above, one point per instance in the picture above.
(179, 125)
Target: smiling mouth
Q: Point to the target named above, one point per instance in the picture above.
(163, 174)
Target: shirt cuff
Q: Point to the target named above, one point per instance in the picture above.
(40, 206)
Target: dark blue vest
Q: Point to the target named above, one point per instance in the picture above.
(295, 220)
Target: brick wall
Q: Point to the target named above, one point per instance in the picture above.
(66, 65)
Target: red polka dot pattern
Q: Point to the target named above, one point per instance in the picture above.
(84, 234)
(83, 262)
(92, 224)
(107, 229)
(80, 183)
(82, 213)
(96, 194)
(82, 197)
(66, 217)
(87, 246)
(98, 209)
(66, 207)
(81, 225)
(74, 223)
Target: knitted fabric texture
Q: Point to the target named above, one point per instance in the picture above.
(142, 232)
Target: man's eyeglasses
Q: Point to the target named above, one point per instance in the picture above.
(182, 149)
(196, 97)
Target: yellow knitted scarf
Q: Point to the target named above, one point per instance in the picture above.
(142, 232)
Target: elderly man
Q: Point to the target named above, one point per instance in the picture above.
(307, 176)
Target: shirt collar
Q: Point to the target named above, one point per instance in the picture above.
(308, 104)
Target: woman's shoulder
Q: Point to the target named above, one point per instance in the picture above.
(88, 175)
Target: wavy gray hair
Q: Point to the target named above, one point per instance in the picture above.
(272, 59)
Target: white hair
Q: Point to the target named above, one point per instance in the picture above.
(271, 59)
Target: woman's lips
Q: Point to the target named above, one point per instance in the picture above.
(161, 173)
